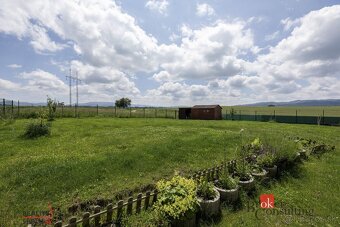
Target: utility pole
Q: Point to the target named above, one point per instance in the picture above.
(70, 78)
(70, 85)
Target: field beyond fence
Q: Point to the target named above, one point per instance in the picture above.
(321, 115)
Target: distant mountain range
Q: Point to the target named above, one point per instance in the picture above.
(321, 102)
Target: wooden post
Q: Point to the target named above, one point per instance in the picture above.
(4, 107)
(129, 206)
(139, 203)
(109, 213)
(119, 210)
(97, 110)
(86, 219)
(97, 218)
(147, 199)
(154, 199)
(72, 222)
(323, 117)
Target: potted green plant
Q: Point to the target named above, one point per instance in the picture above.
(227, 186)
(243, 172)
(208, 198)
(258, 172)
(267, 161)
(177, 201)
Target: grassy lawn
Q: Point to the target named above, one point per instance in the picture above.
(100, 158)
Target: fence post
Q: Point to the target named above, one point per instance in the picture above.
(72, 222)
(86, 219)
(97, 110)
(119, 211)
(97, 218)
(109, 213)
(296, 121)
(4, 107)
(129, 206)
(139, 203)
(147, 199)
(323, 117)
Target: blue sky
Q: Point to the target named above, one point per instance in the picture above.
(170, 52)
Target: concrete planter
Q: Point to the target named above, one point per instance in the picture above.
(260, 176)
(190, 222)
(247, 185)
(272, 171)
(230, 195)
(210, 208)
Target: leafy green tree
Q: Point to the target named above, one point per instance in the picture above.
(123, 103)
(52, 108)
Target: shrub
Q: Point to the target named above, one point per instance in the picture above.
(36, 129)
(52, 108)
(226, 182)
(176, 198)
(256, 144)
(266, 160)
(206, 190)
(243, 170)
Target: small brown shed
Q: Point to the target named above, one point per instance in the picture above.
(202, 112)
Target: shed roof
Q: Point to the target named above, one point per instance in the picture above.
(206, 106)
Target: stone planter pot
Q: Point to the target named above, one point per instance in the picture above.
(260, 176)
(190, 222)
(247, 185)
(210, 208)
(272, 171)
(229, 195)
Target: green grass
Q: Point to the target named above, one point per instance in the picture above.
(328, 111)
(98, 158)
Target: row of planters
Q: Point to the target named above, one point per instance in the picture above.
(181, 201)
